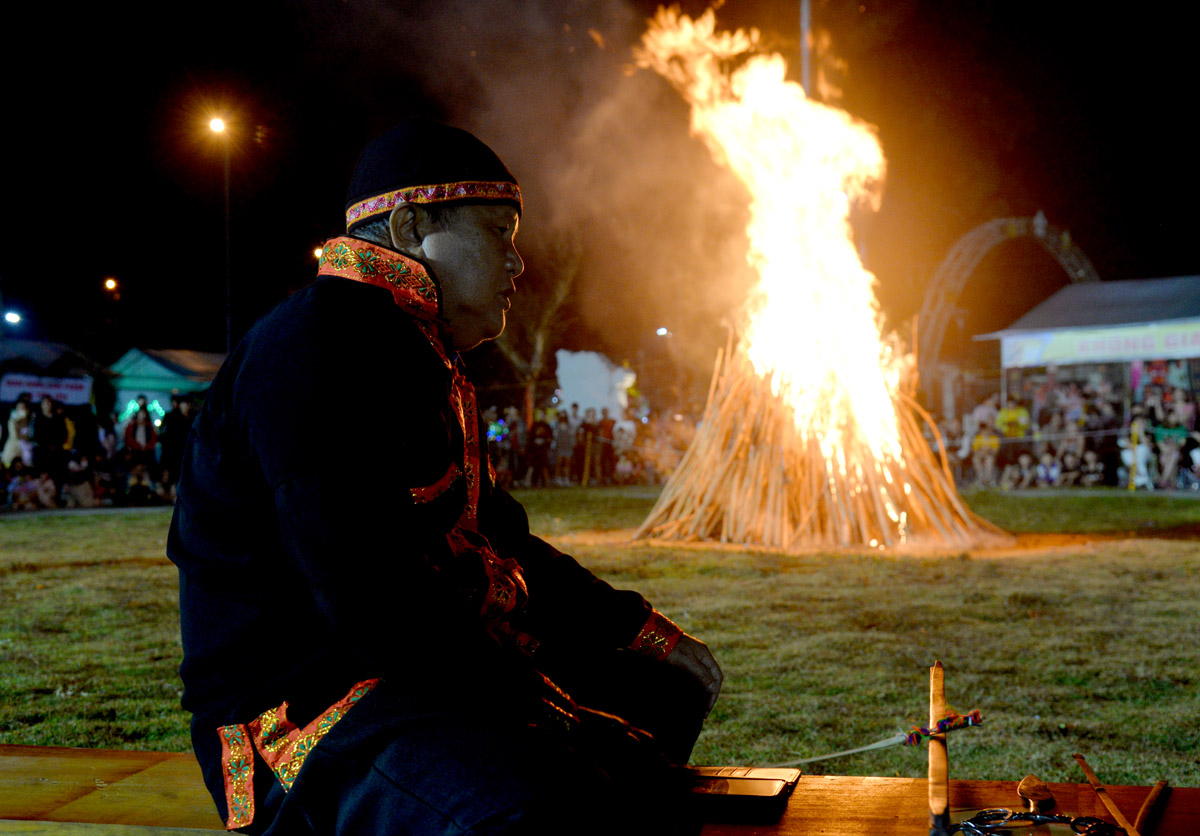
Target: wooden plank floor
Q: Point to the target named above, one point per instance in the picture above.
(52, 784)
(89, 792)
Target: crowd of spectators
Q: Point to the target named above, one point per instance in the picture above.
(1076, 434)
(566, 447)
(56, 456)
(62, 457)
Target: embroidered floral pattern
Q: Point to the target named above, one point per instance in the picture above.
(283, 746)
(413, 289)
(366, 262)
(658, 636)
(237, 764)
(471, 189)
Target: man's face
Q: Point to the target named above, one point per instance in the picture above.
(475, 260)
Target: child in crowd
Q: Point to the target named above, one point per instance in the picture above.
(1049, 471)
(1070, 470)
(22, 487)
(47, 491)
(139, 489)
(79, 491)
(1091, 472)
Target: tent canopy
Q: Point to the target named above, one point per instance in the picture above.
(1107, 322)
(165, 370)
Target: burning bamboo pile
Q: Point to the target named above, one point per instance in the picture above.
(810, 436)
(750, 477)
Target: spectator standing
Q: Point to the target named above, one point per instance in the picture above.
(606, 436)
(1170, 438)
(17, 444)
(1184, 408)
(985, 413)
(541, 442)
(564, 449)
(585, 446)
(516, 439)
(175, 427)
(141, 438)
(48, 432)
(106, 435)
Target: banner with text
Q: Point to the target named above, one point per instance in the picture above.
(69, 390)
(1158, 341)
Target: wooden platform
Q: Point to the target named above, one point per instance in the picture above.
(151, 792)
(88, 792)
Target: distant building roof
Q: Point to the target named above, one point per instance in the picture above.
(166, 370)
(1100, 304)
(45, 357)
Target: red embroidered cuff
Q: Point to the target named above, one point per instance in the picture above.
(237, 764)
(658, 636)
(283, 746)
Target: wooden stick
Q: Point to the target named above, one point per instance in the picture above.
(1102, 793)
(1145, 820)
(939, 762)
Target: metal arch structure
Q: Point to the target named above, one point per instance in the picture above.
(941, 298)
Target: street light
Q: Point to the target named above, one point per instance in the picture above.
(217, 126)
(12, 317)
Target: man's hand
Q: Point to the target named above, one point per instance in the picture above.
(693, 656)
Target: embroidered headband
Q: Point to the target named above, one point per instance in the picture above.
(364, 210)
(426, 162)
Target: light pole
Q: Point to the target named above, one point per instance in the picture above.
(217, 126)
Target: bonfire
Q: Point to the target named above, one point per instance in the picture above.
(811, 435)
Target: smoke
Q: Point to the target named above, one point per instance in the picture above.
(602, 152)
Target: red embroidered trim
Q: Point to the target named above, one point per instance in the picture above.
(237, 765)
(462, 398)
(283, 746)
(415, 291)
(410, 283)
(429, 494)
(471, 189)
(506, 591)
(658, 636)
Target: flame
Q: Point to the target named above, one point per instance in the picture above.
(813, 322)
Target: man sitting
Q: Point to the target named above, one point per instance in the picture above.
(408, 662)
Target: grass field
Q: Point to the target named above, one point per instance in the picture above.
(1066, 644)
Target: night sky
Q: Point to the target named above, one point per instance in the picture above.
(984, 110)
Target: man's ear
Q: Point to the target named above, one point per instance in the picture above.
(407, 229)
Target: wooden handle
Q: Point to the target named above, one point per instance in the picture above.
(939, 765)
(1144, 822)
(1102, 794)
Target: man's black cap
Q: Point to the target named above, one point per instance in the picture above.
(425, 162)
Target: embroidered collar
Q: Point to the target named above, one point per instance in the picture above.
(411, 284)
(413, 287)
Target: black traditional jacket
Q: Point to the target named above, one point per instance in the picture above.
(305, 571)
